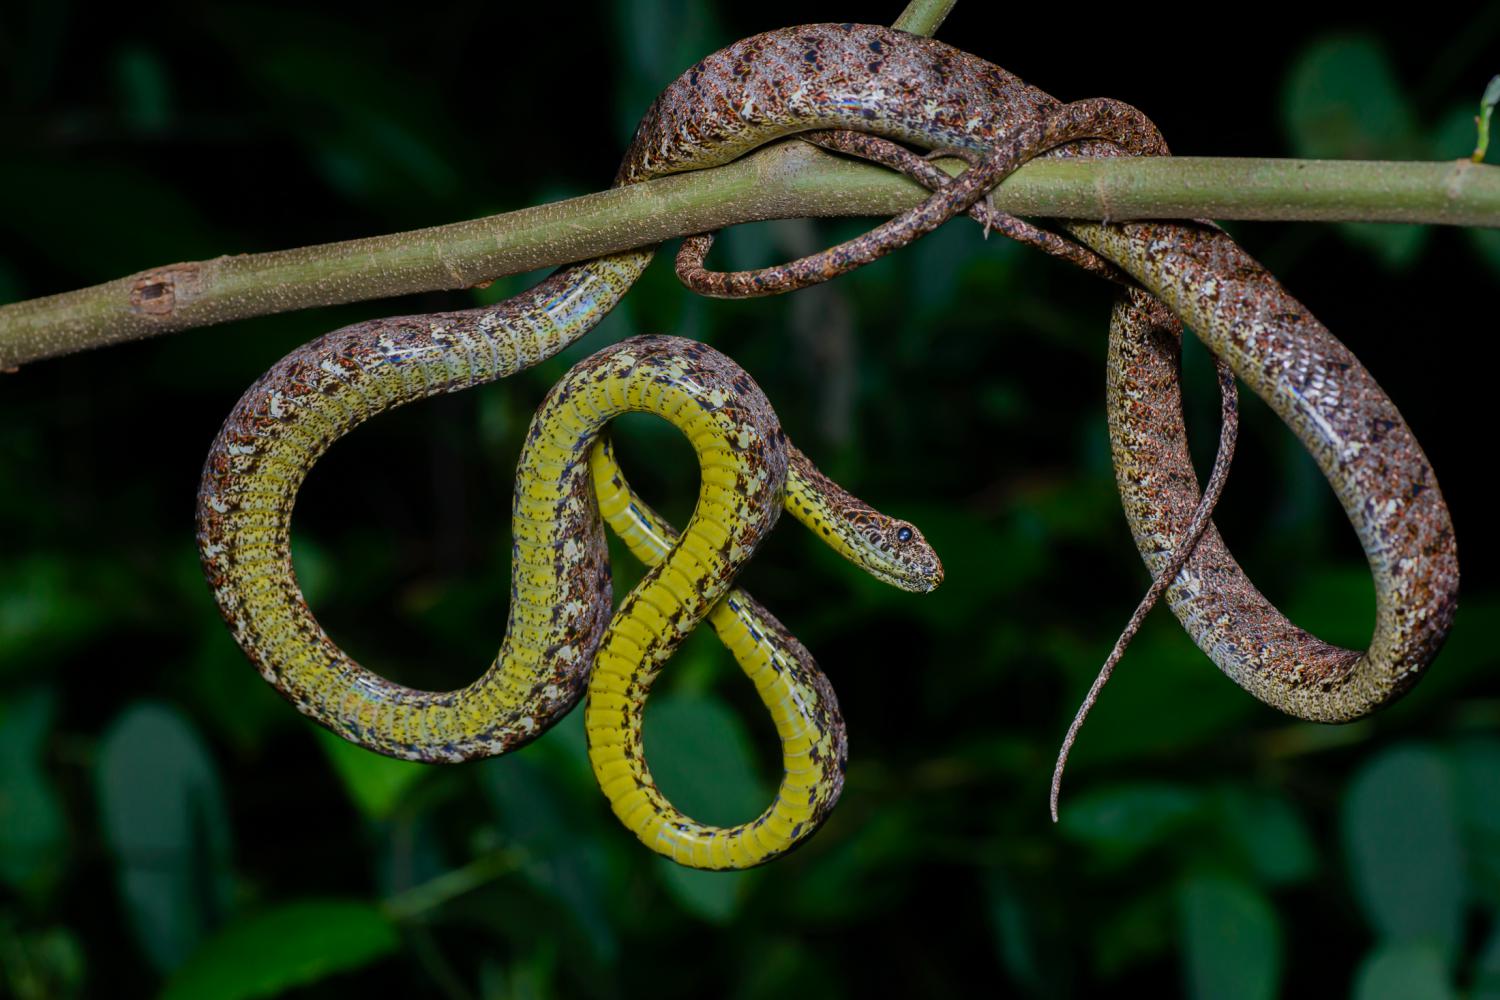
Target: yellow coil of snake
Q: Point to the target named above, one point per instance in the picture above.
(797, 694)
(560, 594)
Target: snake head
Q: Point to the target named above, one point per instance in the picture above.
(899, 554)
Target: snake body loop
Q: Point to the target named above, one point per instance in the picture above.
(794, 690)
(902, 87)
(1269, 340)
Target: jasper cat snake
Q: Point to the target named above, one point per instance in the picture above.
(816, 77)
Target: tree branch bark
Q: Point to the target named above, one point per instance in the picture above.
(790, 179)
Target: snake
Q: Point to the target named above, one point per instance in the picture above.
(801, 702)
(1185, 272)
(560, 596)
(926, 93)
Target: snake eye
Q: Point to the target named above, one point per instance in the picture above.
(904, 535)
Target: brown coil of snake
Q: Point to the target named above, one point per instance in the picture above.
(923, 92)
(1198, 275)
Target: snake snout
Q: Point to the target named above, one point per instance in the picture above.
(920, 568)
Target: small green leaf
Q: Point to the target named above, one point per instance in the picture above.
(163, 815)
(1231, 940)
(1401, 972)
(1272, 836)
(866, 872)
(143, 89)
(1011, 917)
(1475, 765)
(561, 863)
(714, 896)
(40, 965)
(290, 946)
(33, 835)
(315, 571)
(1144, 928)
(785, 967)
(1486, 112)
(1342, 100)
(1335, 603)
(1162, 666)
(654, 41)
(1400, 827)
(43, 609)
(375, 782)
(1126, 819)
(700, 758)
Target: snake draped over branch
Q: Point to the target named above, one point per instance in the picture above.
(563, 636)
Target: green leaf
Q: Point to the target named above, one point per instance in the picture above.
(1452, 138)
(1011, 916)
(143, 89)
(56, 202)
(1161, 667)
(700, 758)
(1401, 972)
(785, 967)
(40, 965)
(1342, 100)
(290, 946)
(1336, 603)
(867, 871)
(1400, 829)
(1231, 941)
(1272, 837)
(33, 834)
(1126, 819)
(43, 609)
(1475, 765)
(227, 695)
(375, 782)
(655, 41)
(1143, 929)
(714, 896)
(163, 816)
(1487, 102)
(561, 864)
(316, 574)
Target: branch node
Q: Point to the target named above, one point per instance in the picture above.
(156, 292)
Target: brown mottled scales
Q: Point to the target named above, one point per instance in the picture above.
(1271, 342)
(917, 91)
(1093, 119)
(923, 171)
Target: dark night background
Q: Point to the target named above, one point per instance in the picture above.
(168, 823)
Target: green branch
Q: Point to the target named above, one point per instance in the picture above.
(788, 180)
(924, 17)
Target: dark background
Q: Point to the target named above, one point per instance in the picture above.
(168, 822)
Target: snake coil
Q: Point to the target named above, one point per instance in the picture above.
(926, 93)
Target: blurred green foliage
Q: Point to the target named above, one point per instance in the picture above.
(168, 826)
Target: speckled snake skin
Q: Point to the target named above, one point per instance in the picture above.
(796, 693)
(929, 94)
(1269, 340)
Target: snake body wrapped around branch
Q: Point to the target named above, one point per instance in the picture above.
(936, 97)
(1196, 273)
